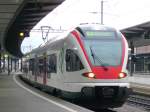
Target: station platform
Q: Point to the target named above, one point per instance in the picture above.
(15, 98)
(140, 83)
(140, 79)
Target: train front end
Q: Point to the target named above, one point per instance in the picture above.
(106, 52)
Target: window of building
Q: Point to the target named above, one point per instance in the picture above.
(73, 62)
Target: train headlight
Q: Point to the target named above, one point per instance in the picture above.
(89, 75)
(122, 75)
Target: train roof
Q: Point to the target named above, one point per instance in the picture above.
(53, 42)
(95, 26)
(59, 39)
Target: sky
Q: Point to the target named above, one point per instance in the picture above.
(117, 13)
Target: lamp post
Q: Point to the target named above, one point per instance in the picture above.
(102, 2)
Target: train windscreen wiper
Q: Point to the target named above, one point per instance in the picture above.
(99, 60)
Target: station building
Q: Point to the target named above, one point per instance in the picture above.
(138, 38)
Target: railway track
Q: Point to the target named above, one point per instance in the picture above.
(139, 100)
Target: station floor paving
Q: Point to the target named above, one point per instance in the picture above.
(14, 98)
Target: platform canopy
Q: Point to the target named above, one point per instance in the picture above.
(138, 35)
(21, 16)
(137, 30)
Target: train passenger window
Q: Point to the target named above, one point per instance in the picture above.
(52, 63)
(41, 65)
(73, 62)
(31, 65)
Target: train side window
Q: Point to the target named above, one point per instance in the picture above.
(73, 62)
(41, 65)
(31, 65)
(52, 63)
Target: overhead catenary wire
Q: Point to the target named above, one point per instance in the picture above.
(50, 31)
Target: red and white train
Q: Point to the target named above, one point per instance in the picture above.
(86, 64)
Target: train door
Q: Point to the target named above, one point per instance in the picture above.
(44, 69)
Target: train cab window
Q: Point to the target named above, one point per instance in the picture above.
(73, 62)
(52, 63)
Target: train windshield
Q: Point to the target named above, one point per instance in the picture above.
(104, 53)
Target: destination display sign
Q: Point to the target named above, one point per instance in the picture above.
(100, 34)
